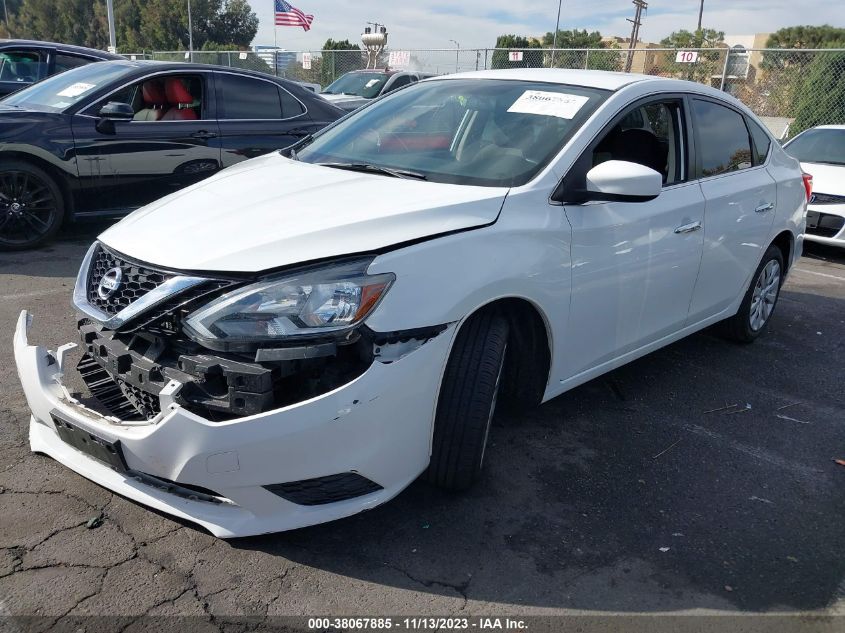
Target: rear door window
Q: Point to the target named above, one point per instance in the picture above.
(22, 67)
(240, 98)
(723, 142)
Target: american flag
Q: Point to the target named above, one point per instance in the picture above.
(288, 15)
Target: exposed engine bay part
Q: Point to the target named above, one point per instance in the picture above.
(137, 374)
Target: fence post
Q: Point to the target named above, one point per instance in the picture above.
(486, 50)
(229, 56)
(725, 70)
(587, 60)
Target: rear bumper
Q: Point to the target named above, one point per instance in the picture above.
(378, 425)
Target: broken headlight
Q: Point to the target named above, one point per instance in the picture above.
(307, 304)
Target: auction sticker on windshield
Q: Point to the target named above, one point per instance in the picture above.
(74, 90)
(564, 106)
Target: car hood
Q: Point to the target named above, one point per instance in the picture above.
(826, 178)
(271, 212)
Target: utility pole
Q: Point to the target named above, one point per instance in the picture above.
(635, 31)
(700, 13)
(110, 15)
(554, 37)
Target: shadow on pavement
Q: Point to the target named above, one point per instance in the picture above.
(638, 491)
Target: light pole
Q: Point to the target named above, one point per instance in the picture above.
(457, 53)
(190, 34)
(110, 15)
(557, 28)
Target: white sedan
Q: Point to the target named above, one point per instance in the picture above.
(821, 151)
(299, 337)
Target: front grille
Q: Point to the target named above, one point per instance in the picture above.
(826, 198)
(824, 224)
(136, 281)
(322, 490)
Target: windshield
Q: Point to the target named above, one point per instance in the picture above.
(819, 146)
(488, 132)
(366, 85)
(63, 90)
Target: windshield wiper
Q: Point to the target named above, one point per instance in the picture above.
(377, 169)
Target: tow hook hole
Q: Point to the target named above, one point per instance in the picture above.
(239, 402)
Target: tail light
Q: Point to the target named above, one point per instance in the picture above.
(808, 184)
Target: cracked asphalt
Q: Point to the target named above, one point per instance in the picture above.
(698, 480)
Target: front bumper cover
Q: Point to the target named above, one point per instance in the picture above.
(378, 425)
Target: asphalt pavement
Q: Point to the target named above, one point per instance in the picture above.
(698, 481)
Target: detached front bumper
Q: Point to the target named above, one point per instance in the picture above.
(377, 426)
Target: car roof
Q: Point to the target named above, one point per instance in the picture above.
(602, 79)
(69, 48)
(829, 127)
(147, 64)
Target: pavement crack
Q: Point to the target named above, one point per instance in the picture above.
(460, 588)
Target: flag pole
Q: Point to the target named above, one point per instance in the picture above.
(275, 48)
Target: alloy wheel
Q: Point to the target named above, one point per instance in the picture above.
(27, 208)
(765, 295)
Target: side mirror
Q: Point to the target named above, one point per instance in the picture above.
(117, 111)
(111, 112)
(622, 181)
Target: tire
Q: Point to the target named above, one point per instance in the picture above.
(753, 316)
(31, 206)
(468, 401)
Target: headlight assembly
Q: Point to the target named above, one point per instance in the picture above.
(308, 304)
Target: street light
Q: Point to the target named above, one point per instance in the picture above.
(457, 53)
(190, 34)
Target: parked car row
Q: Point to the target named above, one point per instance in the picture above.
(104, 139)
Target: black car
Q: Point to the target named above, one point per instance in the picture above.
(24, 62)
(104, 139)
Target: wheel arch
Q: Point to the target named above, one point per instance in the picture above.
(529, 356)
(785, 241)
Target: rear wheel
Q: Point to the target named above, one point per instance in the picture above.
(31, 206)
(760, 299)
(468, 401)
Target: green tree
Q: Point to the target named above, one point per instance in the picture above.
(822, 99)
(235, 23)
(532, 53)
(335, 63)
(799, 37)
(576, 39)
(139, 24)
(708, 64)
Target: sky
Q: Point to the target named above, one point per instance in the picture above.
(476, 23)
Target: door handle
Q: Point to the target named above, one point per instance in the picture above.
(204, 134)
(689, 228)
(765, 207)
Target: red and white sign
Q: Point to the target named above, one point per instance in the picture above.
(515, 56)
(686, 57)
(399, 58)
(306, 61)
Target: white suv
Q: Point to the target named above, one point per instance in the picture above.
(299, 337)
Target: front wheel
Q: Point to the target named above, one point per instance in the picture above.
(468, 401)
(31, 206)
(760, 299)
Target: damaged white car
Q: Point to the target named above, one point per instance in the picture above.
(299, 337)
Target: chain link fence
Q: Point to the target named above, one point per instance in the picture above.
(790, 89)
